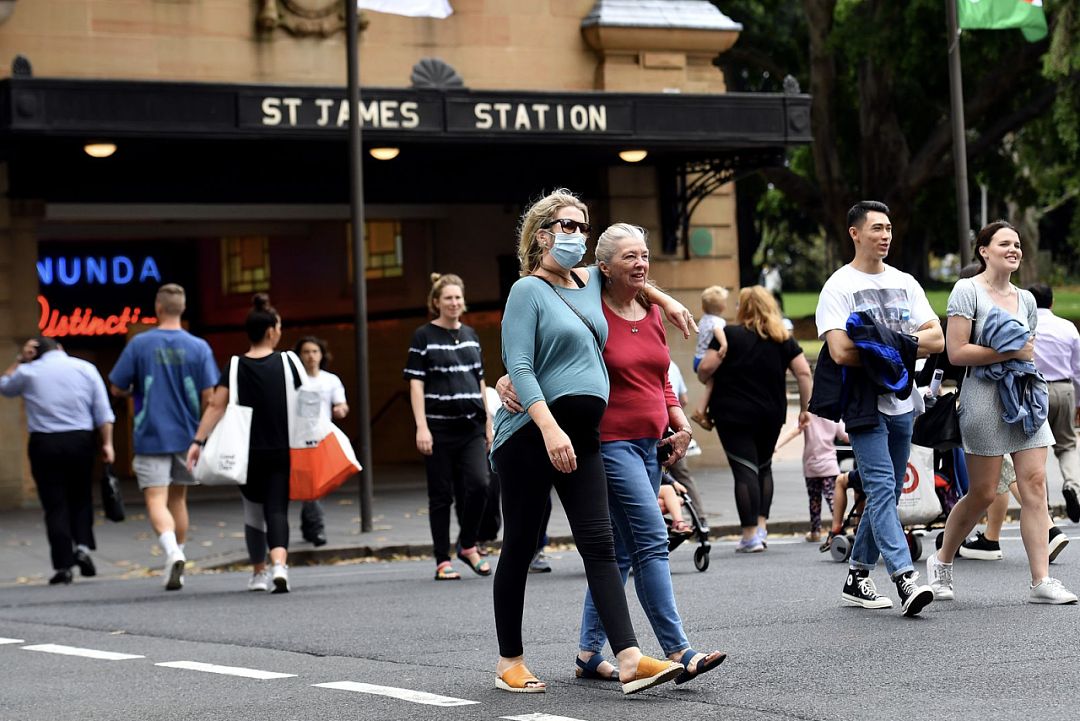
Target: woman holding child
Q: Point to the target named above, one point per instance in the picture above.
(641, 407)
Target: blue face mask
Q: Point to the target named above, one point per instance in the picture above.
(568, 249)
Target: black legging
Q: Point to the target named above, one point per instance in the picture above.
(749, 449)
(527, 477)
(267, 490)
(459, 451)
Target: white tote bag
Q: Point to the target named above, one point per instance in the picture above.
(919, 501)
(224, 458)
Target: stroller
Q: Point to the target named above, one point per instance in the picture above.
(950, 484)
(700, 534)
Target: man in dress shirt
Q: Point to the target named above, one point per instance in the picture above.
(1057, 356)
(65, 402)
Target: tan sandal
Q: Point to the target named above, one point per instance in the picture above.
(516, 679)
(702, 420)
(652, 672)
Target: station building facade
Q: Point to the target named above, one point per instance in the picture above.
(229, 172)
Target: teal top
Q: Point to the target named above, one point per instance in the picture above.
(547, 350)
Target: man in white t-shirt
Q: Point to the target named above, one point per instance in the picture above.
(896, 301)
(312, 352)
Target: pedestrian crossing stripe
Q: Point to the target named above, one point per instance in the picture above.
(403, 694)
(83, 652)
(225, 670)
(538, 717)
(5, 641)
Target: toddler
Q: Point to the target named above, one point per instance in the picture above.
(820, 467)
(711, 325)
(670, 503)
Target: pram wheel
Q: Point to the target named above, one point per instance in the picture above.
(915, 546)
(939, 540)
(840, 549)
(701, 558)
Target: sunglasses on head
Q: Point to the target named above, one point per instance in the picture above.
(571, 226)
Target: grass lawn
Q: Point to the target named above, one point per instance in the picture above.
(803, 305)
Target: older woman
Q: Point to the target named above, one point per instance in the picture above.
(749, 403)
(554, 332)
(986, 435)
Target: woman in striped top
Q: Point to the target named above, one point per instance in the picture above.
(445, 371)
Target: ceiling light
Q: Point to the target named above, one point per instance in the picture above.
(384, 153)
(99, 150)
(633, 156)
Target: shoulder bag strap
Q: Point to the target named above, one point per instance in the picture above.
(234, 370)
(596, 336)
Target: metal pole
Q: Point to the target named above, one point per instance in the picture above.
(982, 205)
(956, 93)
(356, 214)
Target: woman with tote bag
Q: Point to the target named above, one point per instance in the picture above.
(260, 381)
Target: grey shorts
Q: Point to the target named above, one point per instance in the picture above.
(167, 469)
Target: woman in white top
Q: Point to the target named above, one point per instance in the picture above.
(312, 352)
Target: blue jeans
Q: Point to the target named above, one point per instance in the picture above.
(882, 454)
(641, 541)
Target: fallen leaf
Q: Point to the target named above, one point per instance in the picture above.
(208, 543)
(346, 502)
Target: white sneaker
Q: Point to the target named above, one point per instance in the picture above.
(280, 577)
(174, 571)
(260, 581)
(940, 576)
(1050, 590)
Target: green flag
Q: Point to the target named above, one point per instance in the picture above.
(1027, 15)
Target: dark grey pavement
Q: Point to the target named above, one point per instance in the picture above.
(129, 549)
(373, 629)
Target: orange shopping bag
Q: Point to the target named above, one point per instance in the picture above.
(318, 470)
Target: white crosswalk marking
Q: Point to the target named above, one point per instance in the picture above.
(226, 670)
(538, 717)
(5, 641)
(403, 694)
(84, 652)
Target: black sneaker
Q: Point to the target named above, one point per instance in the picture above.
(980, 549)
(859, 590)
(1058, 541)
(1072, 503)
(913, 596)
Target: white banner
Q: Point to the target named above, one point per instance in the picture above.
(410, 8)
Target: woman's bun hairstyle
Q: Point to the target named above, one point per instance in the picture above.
(261, 318)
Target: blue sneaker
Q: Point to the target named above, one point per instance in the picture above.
(763, 536)
(750, 545)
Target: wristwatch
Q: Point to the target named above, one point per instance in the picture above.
(199, 443)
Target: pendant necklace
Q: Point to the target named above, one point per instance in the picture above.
(455, 333)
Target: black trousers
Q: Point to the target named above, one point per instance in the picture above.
(749, 448)
(63, 468)
(460, 449)
(527, 477)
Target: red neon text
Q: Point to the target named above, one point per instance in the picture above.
(82, 321)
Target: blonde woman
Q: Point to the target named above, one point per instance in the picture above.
(553, 333)
(445, 371)
(749, 403)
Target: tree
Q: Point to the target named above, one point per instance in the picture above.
(878, 75)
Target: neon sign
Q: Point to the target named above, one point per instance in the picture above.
(83, 322)
(90, 270)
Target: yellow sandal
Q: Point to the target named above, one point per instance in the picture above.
(651, 672)
(516, 679)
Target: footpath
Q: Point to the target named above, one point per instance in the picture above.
(400, 523)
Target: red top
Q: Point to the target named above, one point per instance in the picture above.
(637, 365)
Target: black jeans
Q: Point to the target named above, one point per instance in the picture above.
(63, 468)
(749, 448)
(459, 445)
(527, 477)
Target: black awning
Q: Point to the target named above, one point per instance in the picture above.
(696, 124)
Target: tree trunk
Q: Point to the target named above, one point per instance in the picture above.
(1026, 220)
